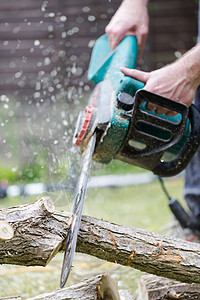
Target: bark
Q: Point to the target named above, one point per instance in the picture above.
(152, 287)
(39, 233)
(11, 298)
(100, 287)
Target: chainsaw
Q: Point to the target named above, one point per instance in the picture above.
(116, 125)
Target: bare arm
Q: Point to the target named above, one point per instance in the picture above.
(130, 19)
(177, 81)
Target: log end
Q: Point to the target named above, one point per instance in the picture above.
(47, 204)
(107, 288)
(6, 230)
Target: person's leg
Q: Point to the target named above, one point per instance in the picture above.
(192, 174)
(192, 177)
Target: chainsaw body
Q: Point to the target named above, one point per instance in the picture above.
(116, 125)
(125, 130)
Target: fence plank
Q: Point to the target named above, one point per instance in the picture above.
(34, 30)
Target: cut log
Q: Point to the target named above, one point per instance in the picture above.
(40, 232)
(35, 235)
(100, 287)
(6, 231)
(152, 287)
(11, 298)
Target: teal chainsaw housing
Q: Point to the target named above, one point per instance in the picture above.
(125, 130)
(105, 67)
(105, 64)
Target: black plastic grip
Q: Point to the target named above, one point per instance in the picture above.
(172, 168)
(157, 144)
(150, 156)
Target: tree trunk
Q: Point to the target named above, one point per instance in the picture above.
(100, 287)
(152, 287)
(34, 233)
(11, 298)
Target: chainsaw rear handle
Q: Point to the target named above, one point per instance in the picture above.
(160, 134)
(174, 127)
(172, 168)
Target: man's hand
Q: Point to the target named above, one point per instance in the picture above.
(130, 19)
(177, 81)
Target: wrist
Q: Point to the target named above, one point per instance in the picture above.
(189, 66)
(191, 61)
(131, 2)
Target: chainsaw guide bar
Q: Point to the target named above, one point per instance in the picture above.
(81, 187)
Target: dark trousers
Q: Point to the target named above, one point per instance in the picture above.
(192, 176)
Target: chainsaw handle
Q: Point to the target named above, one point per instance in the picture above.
(182, 131)
(172, 168)
(176, 127)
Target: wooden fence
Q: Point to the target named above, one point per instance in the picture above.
(45, 45)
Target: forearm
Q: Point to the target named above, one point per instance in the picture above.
(178, 80)
(130, 2)
(190, 64)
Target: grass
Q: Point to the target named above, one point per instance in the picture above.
(143, 206)
(115, 167)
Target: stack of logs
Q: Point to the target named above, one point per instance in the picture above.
(33, 234)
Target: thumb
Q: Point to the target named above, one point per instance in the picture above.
(136, 74)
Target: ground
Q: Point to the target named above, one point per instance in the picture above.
(137, 206)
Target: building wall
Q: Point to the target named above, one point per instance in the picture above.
(45, 46)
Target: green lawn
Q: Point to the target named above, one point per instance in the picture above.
(137, 206)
